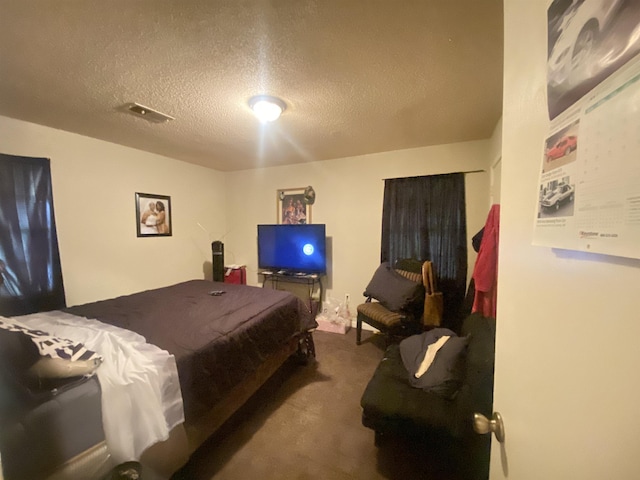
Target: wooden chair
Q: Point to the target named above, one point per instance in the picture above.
(393, 324)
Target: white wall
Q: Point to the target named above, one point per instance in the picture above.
(94, 185)
(349, 194)
(567, 341)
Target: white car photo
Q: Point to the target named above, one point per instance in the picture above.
(554, 199)
(576, 35)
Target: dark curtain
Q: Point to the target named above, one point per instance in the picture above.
(30, 272)
(425, 218)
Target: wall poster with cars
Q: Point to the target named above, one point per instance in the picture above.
(589, 185)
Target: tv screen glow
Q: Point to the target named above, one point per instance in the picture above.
(292, 248)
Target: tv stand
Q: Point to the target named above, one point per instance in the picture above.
(286, 280)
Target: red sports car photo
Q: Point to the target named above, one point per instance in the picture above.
(562, 147)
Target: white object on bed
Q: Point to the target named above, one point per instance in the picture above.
(141, 397)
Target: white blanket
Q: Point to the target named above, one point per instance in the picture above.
(141, 397)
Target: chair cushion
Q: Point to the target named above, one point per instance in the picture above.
(376, 311)
(394, 291)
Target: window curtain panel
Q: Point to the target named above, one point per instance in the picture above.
(425, 218)
(30, 271)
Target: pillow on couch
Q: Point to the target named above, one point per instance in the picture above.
(28, 378)
(444, 376)
(17, 352)
(43, 354)
(47, 367)
(393, 291)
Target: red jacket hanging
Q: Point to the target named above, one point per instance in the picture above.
(485, 272)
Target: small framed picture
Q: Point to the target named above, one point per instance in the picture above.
(153, 215)
(292, 207)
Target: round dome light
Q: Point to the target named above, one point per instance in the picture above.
(267, 108)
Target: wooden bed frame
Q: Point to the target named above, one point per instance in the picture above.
(165, 458)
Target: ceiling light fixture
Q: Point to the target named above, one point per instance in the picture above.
(267, 108)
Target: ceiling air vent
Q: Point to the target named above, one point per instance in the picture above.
(149, 113)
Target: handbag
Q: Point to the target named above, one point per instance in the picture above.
(433, 302)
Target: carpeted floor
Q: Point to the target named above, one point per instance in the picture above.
(305, 424)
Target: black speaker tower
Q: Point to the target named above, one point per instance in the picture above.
(217, 250)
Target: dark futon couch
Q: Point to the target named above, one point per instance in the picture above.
(390, 405)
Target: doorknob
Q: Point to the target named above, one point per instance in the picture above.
(482, 424)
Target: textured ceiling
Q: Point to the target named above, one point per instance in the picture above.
(357, 76)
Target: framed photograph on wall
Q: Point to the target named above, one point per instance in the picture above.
(292, 207)
(153, 215)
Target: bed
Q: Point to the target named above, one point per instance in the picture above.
(223, 347)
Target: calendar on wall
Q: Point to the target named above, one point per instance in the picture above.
(589, 184)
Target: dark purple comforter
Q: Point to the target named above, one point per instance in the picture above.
(217, 340)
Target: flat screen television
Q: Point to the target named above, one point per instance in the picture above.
(291, 249)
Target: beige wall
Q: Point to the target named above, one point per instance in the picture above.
(495, 157)
(495, 143)
(349, 195)
(567, 354)
(94, 185)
